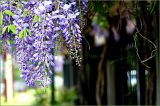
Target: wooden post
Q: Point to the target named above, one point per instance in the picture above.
(68, 72)
(110, 84)
(8, 70)
(138, 86)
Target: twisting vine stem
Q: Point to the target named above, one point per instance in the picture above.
(153, 53)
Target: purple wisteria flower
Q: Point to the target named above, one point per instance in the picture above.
(7, 35)
(34, 52)
(38, 26)
(84, 2)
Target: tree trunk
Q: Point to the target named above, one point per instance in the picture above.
(147, 31)
(8, 80)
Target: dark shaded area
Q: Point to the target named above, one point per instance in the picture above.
(122, 55)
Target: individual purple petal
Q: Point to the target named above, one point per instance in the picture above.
(66, 7)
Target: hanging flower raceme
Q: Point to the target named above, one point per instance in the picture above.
(38, 26)
(34, 52)
(8, 32)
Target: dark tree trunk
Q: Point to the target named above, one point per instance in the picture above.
(147, 31)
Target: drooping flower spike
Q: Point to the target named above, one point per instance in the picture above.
(38, 26)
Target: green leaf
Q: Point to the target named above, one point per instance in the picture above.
(40, 19)
(24, 33)
(36, 18)
(25, 12)
(13, 28)
(8, 28)
(1, 18)
(9, 12)
(28, 31)
(21, 34)
(4, 29)
(11, 41)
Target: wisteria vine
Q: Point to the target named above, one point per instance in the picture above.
(35, 26)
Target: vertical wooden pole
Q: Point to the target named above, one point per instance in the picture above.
(110, 84)
(8, 70)
(67, 72)
(138, 86)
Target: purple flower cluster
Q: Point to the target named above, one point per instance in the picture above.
(38, 25)
(84, 2)
(34, 60)
(34, 51)
(6, 35)
(71, 30)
